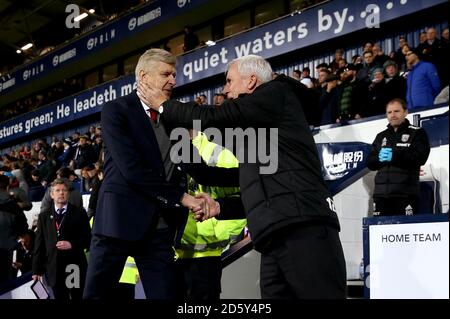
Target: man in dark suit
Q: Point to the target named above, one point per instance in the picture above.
(290, 213)
(62, 235)
(139, 211)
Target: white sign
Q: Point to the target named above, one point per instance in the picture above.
(409, 261)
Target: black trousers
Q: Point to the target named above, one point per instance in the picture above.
(69, 285)
(154, 257)
(390, 206)
(5, 265)
(61, 292)
(304, 262)
(199, 278)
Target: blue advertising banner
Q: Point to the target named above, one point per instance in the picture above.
(137, 21)
(66, 110)
(296, 31)
(342, 163)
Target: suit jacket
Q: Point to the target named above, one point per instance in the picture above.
(75, 229)
(296, 192)
(134, 192)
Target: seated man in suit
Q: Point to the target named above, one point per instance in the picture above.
(139, 209)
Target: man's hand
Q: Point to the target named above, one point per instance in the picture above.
(385, 154)
(63, 245)
(36, 277)
(197, 205)
(213, 208)
(16, 265)
(151, 97)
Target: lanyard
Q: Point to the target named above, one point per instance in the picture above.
(58, 225)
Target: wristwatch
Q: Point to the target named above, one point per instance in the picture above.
(161, 109)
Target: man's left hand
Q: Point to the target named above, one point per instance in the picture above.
(212, 211)
(150, 96)
(385, 154)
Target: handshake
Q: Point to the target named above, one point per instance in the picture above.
(385, 154)
(202, 205)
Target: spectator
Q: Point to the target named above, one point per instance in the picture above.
(306, 78)
(65, 158)
(91, 132)
(75, 138)
(26, 152)
(98, 147)
(430, 48)
(329, 97)
(365, 73)
(368, 46)
(321, 66)
(395, 84)
(89, 177)
(422, 37)
(422, 82)
(352, 95)
(24, 253)
(56, 151)
(379, 57)
(84, 154)
(443, 75)
(17, 193)
(13, 223)
(357, 60)
(376, 103)
(399, 57)
(445, 34)
(46, 168)
(18, 174)
(405, 67)
(433, 50)
(219, 98)
(397, 154)
(92, 206)
(202, 99)
(35, 151)
(296, 74)
(338, 56)
(190, 39)
(36, 190)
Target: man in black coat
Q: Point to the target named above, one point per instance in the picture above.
(397, 154)
(290, 213)
(62, 235)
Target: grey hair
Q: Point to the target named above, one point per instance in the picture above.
(254, 65)
(149, 57)
(60, 181)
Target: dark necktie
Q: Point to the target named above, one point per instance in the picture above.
(153, 115)
(59, 215)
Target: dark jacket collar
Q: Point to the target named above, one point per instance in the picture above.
(402, 126)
